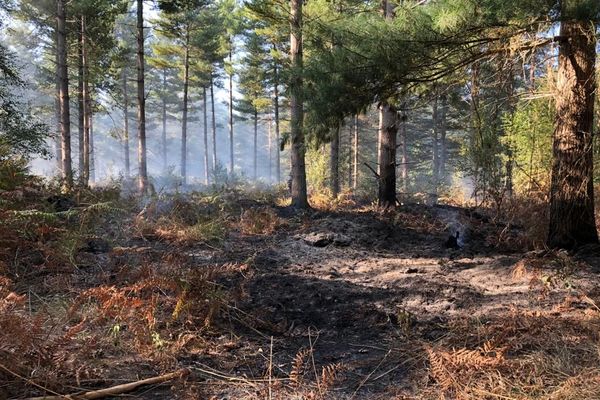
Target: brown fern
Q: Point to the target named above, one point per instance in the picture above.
(298, 367)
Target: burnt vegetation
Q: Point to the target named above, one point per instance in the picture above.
(303, 200)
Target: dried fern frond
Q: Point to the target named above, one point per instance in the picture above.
(298, 367)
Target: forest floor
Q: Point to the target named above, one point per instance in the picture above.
(257, 302)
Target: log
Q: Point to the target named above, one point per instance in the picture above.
(116, 390)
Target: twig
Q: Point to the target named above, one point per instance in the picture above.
(30, 382)
(312, 357)
(370, 374)
(119, 389)
(270, 368)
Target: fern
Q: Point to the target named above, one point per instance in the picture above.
(298, 367)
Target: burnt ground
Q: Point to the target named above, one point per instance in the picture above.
(368, 305)
(354, 304)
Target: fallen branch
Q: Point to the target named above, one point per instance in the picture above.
(116, 390)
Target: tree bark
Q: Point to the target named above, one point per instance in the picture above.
(334, 163)
(404, 150)
(386, 144)
(143, 172)
(435, 143)
(85, 173)
(350, 160)
(255, 159)
(57, 115)
(63, 83)
(270, 147)
(80, 103)
(572, 192)
(231, 154)
(355, 155)
(126, 127)
(443, 146)
(205, 112)
(387, 155)
(91, 153)
(214, 124)
(186, 79)
(299, 192)
(164, 121)
(277, 132)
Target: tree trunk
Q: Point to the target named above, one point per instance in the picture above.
(91, 153)
(85, 173)
(143, 173)
(299, 192)
(80, 103)
(404, 149)
(205, 109)
(214, 124)
(572, 192)
(186, 78)
(387, 155)
(334, 163)
(386, 144)
(277, 133)
(350, 158)
(255, 162)
(435, 143)
(126, 128)
(355, 155)
(231, 155)
(270, 147)
(443, 145)
(57, 138)
(63, 83)
(164, 121)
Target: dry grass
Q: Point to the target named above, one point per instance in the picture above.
(521, 355)
(326, 202)
(260, 221)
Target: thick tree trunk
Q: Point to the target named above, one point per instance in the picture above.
(255, 152)
(386, 144)
(355, 155)
(443, 146)
(63, 83)
(205, 112)
(572, 192)
(143, 172)
(277, 132)
(186, 79)
(164, 122)
(126, 152)
(231, 147)
(214, 124)
(334, 163)
(299, 192)
(387, 155)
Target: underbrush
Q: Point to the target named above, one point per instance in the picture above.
(82, 287)
(519, 355)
